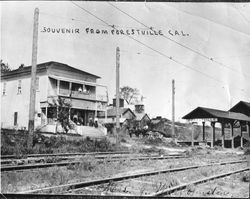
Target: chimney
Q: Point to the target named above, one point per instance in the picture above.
(121, 102)
(139, 108)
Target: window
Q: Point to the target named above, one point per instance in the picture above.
(4, 88)
(19, 88)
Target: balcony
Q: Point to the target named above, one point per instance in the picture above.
(64, 92)
(82, 95)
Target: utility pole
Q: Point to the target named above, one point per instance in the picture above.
(173, 109)
(117, 93)
(32, 104)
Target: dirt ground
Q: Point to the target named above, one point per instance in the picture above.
(90, 169)
(231, 186)
(152, 184)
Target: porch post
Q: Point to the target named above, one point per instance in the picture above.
(70, 88)
(232, 134)
(203, 131)
(95, 103)
(213, 135)
(46, 115)
(241, 135)
(223, 134)
(248, 127)
(192, 137)
(58, 86)
(70, 93)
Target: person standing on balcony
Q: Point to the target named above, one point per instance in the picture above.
(80, 89)
(75, 118)
(81, 120)
(91, 123)
(96, 123)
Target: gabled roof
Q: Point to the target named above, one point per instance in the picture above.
(41, 68)
(241, 107)
(112, 112)
(202, 112)
(140, 116)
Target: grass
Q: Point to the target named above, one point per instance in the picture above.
(15, 143)
(247, 148)
(245, 177)
(230, 186)
(169, 182)
(90, 169)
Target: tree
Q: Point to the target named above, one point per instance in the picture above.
(130, 95)
(63, 115)
(4, 67)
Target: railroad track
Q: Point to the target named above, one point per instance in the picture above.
(99, 159)
(61, 157)
(78, 185)
(81, 196)
(74, 154)
(200, 181)
(63, 154)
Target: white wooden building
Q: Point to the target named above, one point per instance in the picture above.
(54, 80)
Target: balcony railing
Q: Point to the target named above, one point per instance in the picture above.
(82, 95)
(77, 94)
(63, 91)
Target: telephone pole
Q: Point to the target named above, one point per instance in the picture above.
(117, 93)
(32, 104)
(173, 109)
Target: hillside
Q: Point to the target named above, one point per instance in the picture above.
(183, 131)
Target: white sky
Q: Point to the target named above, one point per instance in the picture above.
(218, 30)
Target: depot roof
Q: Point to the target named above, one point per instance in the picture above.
(203, 113)
(241, 107)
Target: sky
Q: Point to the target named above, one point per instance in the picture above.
(204, 47)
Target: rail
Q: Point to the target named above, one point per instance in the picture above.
(60, 158)
(183, 186)
(100, 159)
(81, 196)
(78, 185)
(65, 154)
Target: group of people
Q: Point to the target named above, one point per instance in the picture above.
(93, 123)
(79, 121)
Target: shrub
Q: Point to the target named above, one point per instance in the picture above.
(245, 177)
(247, 148)
(15, 143)
(123, 140)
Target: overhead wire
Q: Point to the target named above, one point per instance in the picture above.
(71, 19)
(87, 22)
(178, 43)
(149, 47)
(204, 18)
(139, 53)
